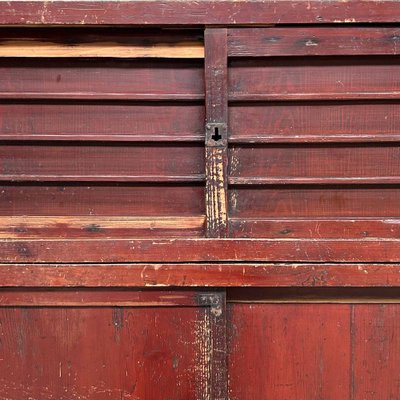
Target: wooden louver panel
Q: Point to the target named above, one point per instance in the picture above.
(279, 145)
(313, 151)
(102, 147)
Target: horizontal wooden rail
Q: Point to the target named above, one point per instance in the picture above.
(177, 12)
(350, 180)
(98, 298)
(97, 226)
(211, 274)
(199, 250)
(310, 41)
(14, 48)
(309, 228)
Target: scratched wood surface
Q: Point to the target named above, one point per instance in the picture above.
(114, 350)
(209, 156)
(100, 42)
(134, 79)
(175, 12)
(313, 351)
(138, 148)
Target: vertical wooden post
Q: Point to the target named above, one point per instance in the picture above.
(218, 367)
(216, 80)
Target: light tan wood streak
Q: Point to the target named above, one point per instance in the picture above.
(33, 48)
(10, 227)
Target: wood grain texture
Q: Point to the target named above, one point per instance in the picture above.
(102, 199)
(312, 41)
(119, 43)
(343, 164)
(197, 13)
(375, 351)
(102, 121)
(113, 162)
(101, 227)
(313, 227)
(297, 122)
(200, 274)
(98, 298)
(14, 48)
(55, 352)
(105, 79)
(313, 201)
(315, 295)
(216, 77)
(314, 78)
(198, 250)
(303, 351)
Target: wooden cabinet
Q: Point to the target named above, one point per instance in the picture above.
(199, 200)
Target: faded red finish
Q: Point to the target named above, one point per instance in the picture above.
(199, 200)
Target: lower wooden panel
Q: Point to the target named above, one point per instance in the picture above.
(284, 352)
(135, 345)
(96, 353)
(314, 351)
(376, 347)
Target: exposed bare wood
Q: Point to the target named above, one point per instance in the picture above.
(88, 226)
(216, 153)
(14, 48)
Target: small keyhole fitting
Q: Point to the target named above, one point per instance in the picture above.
(216, 136)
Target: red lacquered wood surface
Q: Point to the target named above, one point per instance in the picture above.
(104, 79)
(210, 156)
(98, 353)
(100, 162)
(313, 351)
(227, 12)
(376, 346)
(200, 274)
(101, 345)
(296, 122)
(315, 78)
(309, 41)
(303, 351)
(102, 121)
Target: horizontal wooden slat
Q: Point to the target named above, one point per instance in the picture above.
(238, 274)
(312, 121)
(94, 226)
(27, 48)
(97, 298)
(64, 199)
(118, 43)
(310, 295)
(104, 79)
(312, 41)
(315, 164)
(335, 228)
(100, 121)
(89, 162)
(315, 201)
(198, 250)
(315, 78)
(177, 12)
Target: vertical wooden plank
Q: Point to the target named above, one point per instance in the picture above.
(216, 312)
(216, 77)
(376, 353)
(289, 351)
